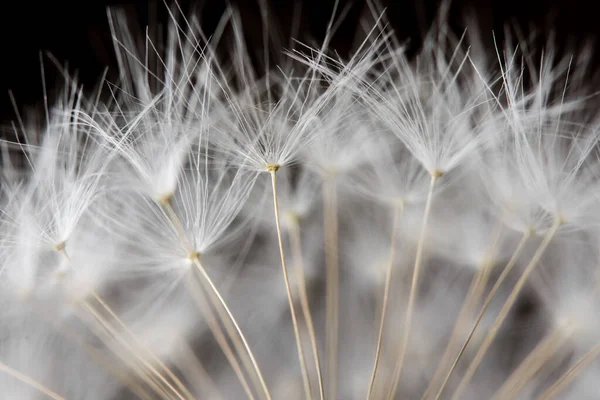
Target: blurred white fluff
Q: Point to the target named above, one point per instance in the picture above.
(138, 255)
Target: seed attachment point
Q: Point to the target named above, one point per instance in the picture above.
(436, 173)
(193, 256)
(165, 199)
(272, 167)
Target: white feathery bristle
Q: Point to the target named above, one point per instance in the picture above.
(434, 208)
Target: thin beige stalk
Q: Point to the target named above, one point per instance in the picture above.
(152, 356)
(193, 368)
(531, 365)
(61, 249)
(108, 364)
(103, 334)
(476, 289)
(473, 294)
(125, 378)
(107, 336)
(506, 308)
(273, 172)
(235, 333)
(223, 304)
(571, 373)
(156, 381)
(165, 205)
(332, 283)
(413, 288)
(398, 210)
(29, 381)
(213, 324)
(296, 244)
(93, 352)
(231, 331)
(509, 266)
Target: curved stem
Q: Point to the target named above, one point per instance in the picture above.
(388, 279)
(530, 366)
(509, 266)
(471, 301)
(99, 356)
(29, 381)
(213, 293)
(413, 289)
(155, 380)
(154, 358)
(219, 335)
(194, 370)
(288, 288)
(332, 283)
(295, 239)
(230, 329)
(223, 304)
(61, 249)
(475, 289)
(106, 338)
(571, 373)
(506, 308)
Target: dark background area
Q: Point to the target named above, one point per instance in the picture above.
(78, 33)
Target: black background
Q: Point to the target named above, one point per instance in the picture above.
(78, 33)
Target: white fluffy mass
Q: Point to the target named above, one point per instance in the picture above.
(226, 222)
